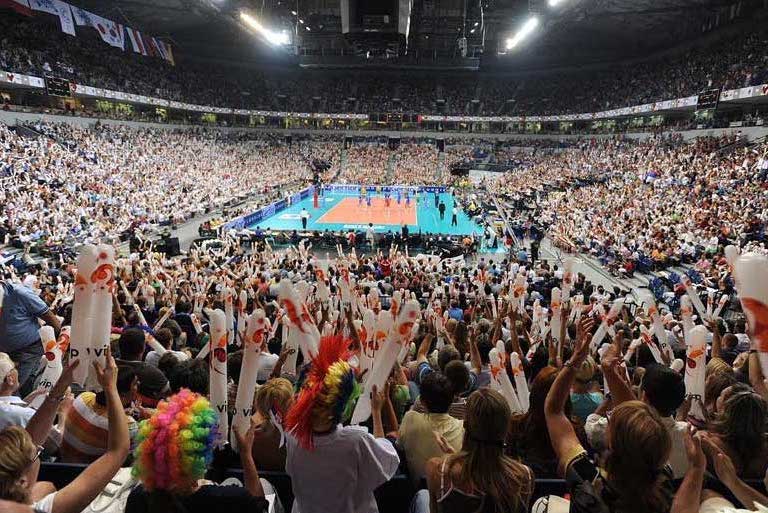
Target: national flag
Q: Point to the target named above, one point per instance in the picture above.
(20, 6)
(111, 33)
(136, 40)
(57, 8)
(159, 45)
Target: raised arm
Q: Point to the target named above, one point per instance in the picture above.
(251, 480)
(41, 423)
(561, 432)
(688, 496)
(74, 497)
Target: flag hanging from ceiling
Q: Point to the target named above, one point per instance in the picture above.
(112, 33)
(164, 50)
(57, 8)
(20, 6)
(136, 40)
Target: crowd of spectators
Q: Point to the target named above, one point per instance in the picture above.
(36, 46)
(569, 391)
(75, 184)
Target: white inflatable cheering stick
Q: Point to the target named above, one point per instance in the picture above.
(645, 336)
(82, 313)
(500, 379)
(103, 283)
(242, 302)
(695, 370)
(386, 357)
(556, 305)
(297, 312)
(658, 327)
(255, 338)
(53, 350)
(690, 290)
(751, 274)
(366, 333)
(229, 313)
(218, 371)
(568, 277)
(523, 393)
(607, 321)
(686, 314)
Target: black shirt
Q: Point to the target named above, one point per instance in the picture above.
(206, 499)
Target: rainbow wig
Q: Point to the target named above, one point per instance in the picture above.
(329, 391)
(175, 446)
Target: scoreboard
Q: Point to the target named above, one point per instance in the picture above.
(58, 86)
(708, 99)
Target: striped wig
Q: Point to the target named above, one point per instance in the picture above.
(175, 446)
(329, 391)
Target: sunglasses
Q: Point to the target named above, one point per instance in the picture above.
(40, 450)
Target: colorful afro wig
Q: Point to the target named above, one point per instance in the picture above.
(175, 446)
(329, 391)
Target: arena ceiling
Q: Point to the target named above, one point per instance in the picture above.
(573, 33)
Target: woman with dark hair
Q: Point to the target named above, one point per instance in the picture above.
(740, 432)
(528, 437)
(635, 477)
(480, 478)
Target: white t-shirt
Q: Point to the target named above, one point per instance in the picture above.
(153, 357)
(14, 412)
(342, 471)
(45, 505)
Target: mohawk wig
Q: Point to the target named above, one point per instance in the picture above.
(328, 392)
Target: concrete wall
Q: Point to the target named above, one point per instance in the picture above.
(13, 118)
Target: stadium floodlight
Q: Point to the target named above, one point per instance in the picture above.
(528, 27)
(273, 38)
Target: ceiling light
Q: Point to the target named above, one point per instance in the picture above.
(478, 23)
(273, 38)
(294, 12)
(555, 3)
(524, 31)
(301, 21)
(472, 31)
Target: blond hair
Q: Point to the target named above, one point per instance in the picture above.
(6, 366)
(276, 393)
(16, 448)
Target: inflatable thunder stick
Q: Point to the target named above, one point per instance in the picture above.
(556, 305)
(242, 302)
(690, 290)
(686, 314)
(82, 313)
(367, 332)
(523, 393)
(751, 274)
(53, 351)
(255, 339)
(500, 379)
(218, 371)
(645, 336)
(607, 322)
(695, 370)
(658, 327)
(568, 276)
(386, 357)
(229, 313)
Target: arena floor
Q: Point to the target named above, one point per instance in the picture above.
(340, 211)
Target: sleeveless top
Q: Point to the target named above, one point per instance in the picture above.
(455, 500)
